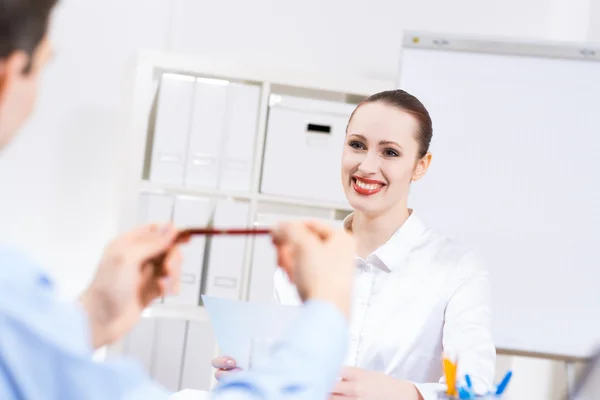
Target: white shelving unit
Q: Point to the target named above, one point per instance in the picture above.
(150, 67)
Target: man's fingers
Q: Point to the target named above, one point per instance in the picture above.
(285, 260)
(149, 244)
(142, 230)
(299, 231)
(322, 229)
(293, 233)
(150, 287)
(173, 263)
(284, 257)
(162, 283)
(279, 234)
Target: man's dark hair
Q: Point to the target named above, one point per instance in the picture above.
(23, 24)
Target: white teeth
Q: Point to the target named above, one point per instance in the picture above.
(367, 186)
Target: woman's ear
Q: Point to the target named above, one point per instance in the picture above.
(421, 167)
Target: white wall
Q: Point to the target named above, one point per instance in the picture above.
(60, 181)
(594, 22)
(357, 36)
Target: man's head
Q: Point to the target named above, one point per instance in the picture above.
(24, 51)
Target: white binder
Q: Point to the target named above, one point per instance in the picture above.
(191, 211)
(208, 122)
(223, 135)
(240, 137)
(171, 129)
(226, 258)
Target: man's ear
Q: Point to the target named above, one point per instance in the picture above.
(11, 68)
(3, 76)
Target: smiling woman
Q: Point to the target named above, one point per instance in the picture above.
(417, 294)
(387, 145)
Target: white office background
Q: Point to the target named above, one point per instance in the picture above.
(61, 180)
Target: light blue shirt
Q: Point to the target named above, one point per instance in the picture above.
(46, 353)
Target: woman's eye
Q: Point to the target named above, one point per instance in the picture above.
(390, 153)
(356, 145)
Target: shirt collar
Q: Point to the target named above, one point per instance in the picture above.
(393, 252)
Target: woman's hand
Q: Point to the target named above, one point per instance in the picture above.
(361, 384)
(224, 366)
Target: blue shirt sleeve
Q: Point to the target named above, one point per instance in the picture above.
(303, 366)
(45, 349)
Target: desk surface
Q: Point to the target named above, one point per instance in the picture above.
(189, 394)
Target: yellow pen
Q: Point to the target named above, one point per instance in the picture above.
(450, 373)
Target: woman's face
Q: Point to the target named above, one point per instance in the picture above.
(380, 158)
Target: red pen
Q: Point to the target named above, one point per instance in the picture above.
(185, 234)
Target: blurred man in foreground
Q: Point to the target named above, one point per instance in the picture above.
(46, 346)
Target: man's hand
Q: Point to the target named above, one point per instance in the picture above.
(126, 282)
(319, 260)
(361, 384)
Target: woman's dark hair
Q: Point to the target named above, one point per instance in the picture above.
(408, 103)
(23, 24)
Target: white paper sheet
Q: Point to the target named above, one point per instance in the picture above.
(236, 323)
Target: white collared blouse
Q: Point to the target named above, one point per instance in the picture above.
(415, 297)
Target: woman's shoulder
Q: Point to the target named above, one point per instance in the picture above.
(452, 252)
(455, 263)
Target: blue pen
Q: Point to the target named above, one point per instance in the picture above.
(463, 393)
(469, 383)
(502, 386)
